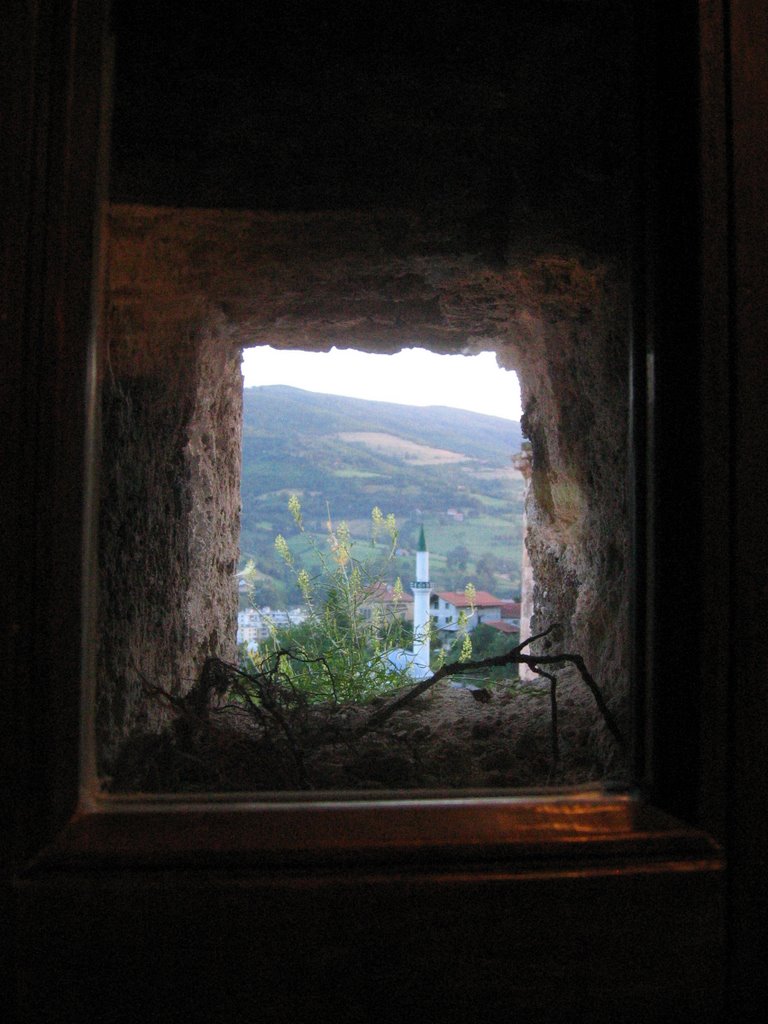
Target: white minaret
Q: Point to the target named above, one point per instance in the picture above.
(421, 588)
(523, 463)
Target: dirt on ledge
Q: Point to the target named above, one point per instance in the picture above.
(448, 738)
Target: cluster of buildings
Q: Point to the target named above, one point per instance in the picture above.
(432, 612)
(446, 609)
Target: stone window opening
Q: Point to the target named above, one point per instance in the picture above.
(420, 417)
(179, 315)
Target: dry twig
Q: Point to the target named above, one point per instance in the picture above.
(513, 657)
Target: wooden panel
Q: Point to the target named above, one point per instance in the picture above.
(748, 808)
(621, 943)
(562, 909)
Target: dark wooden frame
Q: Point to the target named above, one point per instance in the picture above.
(588, 907)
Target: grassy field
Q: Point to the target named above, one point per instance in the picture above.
(401, 448)
(486, 537)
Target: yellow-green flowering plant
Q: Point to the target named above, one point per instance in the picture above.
(339, 652)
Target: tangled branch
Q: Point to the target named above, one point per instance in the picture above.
(513, 657)
(288, 732)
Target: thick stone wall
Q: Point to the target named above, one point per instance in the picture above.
(559, 321)
(189, 288)
(168, 544)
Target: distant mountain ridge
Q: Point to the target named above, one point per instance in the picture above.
(474, 434)
(448, 468)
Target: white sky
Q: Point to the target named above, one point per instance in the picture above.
(411, 377)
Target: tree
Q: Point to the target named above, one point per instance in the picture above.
(263, 592)
(486, 568)
(458, 557)
(481, 643)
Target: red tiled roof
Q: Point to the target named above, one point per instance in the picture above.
(459, 599)
(510, 609)
(380, 592)
(503, 627)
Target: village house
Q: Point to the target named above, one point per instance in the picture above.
(446, 606)
(509, 621)
(389, 603)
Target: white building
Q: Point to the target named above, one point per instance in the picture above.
(446, 607)
(252, 628)
(255, 624)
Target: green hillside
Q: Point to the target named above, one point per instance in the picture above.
(447, 468)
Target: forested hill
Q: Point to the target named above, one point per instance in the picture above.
(489, 438)
(447, 468)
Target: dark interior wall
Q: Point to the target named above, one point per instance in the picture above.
(515, 110)
(169, 508)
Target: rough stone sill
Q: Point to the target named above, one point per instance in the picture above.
(555, 831)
